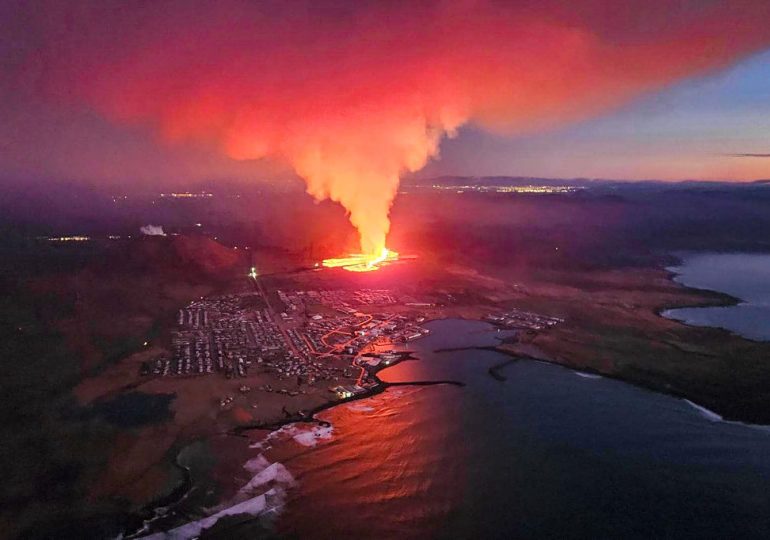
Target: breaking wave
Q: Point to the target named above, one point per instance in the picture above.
(264, 495)
(714, 417)
(587, 375)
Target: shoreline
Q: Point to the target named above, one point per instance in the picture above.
(379, 387)
(494, 372)
(715, 417)
(140, 519)
(712, 299)
(720, 299)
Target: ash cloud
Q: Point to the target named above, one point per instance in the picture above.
(351, 95)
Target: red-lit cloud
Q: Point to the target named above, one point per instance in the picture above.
(353, 94)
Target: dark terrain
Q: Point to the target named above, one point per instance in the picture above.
(69, 310)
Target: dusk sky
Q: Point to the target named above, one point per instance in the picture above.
(657, 93)
(715, 128)
(385, 269)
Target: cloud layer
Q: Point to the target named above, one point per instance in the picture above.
(353, 94)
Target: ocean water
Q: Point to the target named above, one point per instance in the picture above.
(545, 454)
(744, 276)
(133, 409)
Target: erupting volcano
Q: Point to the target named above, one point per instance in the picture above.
(352, 96)
(359, 262)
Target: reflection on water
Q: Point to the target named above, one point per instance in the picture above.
(543, 454)
(387, 475)
(745, 276)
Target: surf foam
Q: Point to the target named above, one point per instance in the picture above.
(587, 375)
(264, 494)
(255, 506)
(312, 436)
(714, 417)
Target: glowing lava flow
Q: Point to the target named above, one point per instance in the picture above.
(358, 262)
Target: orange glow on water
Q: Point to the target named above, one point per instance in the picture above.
(359, 262)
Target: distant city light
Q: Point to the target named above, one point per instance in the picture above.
(76, 238)
(253, 273)
(532, 188)
(188, 195)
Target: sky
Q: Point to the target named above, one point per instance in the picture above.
(693, 127)
(696, 129)
(351, 96)
(715, 127)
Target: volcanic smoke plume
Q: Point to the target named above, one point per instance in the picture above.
(354, 94)
(152, 230)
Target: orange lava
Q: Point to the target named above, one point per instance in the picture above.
(359, 262)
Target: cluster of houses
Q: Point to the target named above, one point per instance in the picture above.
(220, 335)
(234, 333)
(517, 318)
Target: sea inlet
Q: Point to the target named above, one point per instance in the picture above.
(545, 453)
(744, 276)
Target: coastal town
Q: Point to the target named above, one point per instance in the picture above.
(303, 337)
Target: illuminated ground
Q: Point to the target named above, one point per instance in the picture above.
(359, 262)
